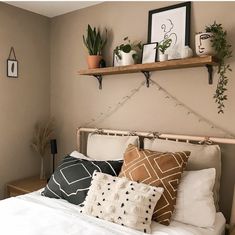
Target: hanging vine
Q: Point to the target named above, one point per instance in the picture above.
(223, 52)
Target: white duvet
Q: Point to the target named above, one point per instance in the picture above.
(33, 214)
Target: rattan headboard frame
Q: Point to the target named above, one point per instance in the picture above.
(185, 138)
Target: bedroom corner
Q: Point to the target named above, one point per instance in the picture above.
(25, 99)
(155, 121)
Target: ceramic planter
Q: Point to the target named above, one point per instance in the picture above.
(42, 170)
(93, 61)
(127, 58)
(203, 44)
(163, 57)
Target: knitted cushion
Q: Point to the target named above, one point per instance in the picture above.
(121, 201)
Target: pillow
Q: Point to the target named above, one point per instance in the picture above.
(201, 157)
(121, 201)
(76, 154)
(195, 203)
(106, 147)
(156, 169)
(72, 179)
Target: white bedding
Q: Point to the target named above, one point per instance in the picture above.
(33, 214)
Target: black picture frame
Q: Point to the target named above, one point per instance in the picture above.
(12, 68)
(157, 13)
(154, 51)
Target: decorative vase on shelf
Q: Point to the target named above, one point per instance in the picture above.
(127, 58)
(186, 52)
(203, 44)
(42, 170)
(93, 61)
(116, 61)
(43, 131)
(163, 57)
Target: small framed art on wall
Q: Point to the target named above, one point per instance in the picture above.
(12, 65)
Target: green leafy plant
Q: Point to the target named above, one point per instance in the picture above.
(223, 52)
(127, 47)
(94, 41)
(163, 45)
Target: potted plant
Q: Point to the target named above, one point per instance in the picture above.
(203, 44)
(94, 43)
(40, 142)
(127, 53)
(163, 45)
(222, 50)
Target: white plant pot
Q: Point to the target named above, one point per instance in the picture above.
(127, 58)
(204, 45)
(163, 57)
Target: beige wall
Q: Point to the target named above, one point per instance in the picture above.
(25, 100)
(76, 99)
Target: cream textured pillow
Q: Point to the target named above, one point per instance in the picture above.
(106, 147)
(194, 203)
(201, 157)
(121, 201)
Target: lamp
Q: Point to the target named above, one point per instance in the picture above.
(53, 151)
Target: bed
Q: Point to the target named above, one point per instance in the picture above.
(33, 214)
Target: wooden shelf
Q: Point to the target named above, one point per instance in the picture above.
(207, 61)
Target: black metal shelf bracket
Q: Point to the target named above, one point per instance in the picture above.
(210, 73)
(147, 76)
(99, 78)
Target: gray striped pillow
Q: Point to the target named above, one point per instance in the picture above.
(72, 179)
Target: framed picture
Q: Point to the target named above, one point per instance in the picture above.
(173, 23)
(12, 68)
(149, 53)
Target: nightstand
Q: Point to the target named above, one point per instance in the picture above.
(232, 232)
(23, 186)
(232, 218)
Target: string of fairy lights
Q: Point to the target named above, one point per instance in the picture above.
(113, 109)
(167, 95)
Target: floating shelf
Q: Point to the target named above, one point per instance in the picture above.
(206, 61)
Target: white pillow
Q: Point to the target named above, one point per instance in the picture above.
(106, 147)
(195, 204)
(121, 201)
(76, 154)
(201, 157)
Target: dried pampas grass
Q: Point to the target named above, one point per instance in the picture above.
(43, 132)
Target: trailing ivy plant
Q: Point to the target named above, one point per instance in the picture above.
(223, 52)
(126, 47)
